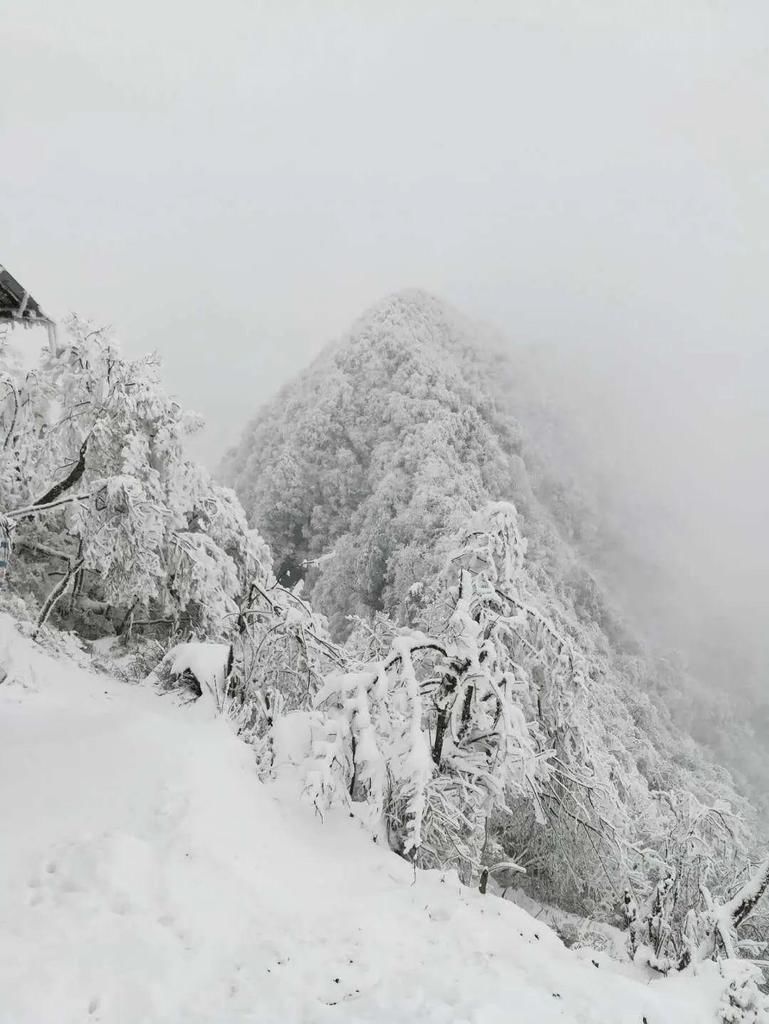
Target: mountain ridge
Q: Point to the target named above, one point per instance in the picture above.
(360, 469)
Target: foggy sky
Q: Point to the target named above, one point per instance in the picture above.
(232, 183)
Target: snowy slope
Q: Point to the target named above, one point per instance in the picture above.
(146, 875)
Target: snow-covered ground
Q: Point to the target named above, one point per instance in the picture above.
(146, 875)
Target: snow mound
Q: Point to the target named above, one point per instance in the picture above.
(209, 664)
(146, 876)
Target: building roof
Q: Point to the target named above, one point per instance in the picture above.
(16, 303)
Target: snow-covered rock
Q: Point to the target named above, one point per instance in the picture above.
(207, 664)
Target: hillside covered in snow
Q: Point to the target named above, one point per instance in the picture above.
(146, 875)
(362, 475)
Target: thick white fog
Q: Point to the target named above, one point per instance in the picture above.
(673, 444)
(233, 185)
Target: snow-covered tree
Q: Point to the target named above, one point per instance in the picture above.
(282, 653)
(434, 735)
(113, 525)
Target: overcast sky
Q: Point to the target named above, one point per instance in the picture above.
(231, 183)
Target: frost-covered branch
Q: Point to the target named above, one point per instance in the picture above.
(75, 474)
(36, 508)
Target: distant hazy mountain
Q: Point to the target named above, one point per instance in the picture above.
(360, 469)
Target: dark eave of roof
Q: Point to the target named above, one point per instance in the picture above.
(16, 303)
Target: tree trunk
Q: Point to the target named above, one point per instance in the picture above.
(741, 905)
(55, 595)
(440, 732)
(127, 621)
